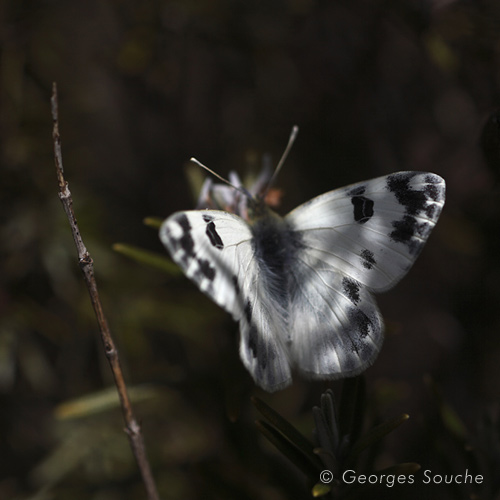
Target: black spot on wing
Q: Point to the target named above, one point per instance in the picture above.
(435, 187)
(363, 209)
(367, 259)
(236, 284)
(413, 200)
(206, 269)
(362, 349)
(351, 289)
(253, 340)
(186, 241)
(183, 221)
(262, 351)
(406, 230)
(362, 324)
(432, 192)
(212, 233)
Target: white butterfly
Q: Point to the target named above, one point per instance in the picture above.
(301, 287)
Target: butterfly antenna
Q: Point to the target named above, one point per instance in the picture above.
(291, 140)
(215, 174)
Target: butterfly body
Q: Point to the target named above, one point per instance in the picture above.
(276, 246)
(301, 286)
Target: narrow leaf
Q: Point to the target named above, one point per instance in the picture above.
(328, 410)
(152, 259)
(153, 222)
(288, 431)
(320, 490)
(102, 401)
(294, 454)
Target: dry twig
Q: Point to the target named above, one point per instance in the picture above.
(132, 428)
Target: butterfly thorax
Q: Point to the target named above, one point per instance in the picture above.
(276, 246)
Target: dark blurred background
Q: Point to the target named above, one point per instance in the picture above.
(375, 86)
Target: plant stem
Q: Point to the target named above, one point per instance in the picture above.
(132, 428)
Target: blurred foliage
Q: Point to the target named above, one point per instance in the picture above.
(339, 443)
(149, 258)
(375, 86)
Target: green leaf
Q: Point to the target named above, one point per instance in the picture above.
(290, 450)
(320, 490)
(152, 259)
(325, 436)
(103, 401)
(153, 222)
(327, 422)
(288, 431)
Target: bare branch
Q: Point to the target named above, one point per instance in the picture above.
(132, 428)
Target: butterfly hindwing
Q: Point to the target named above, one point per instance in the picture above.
(335, 326)
(215, 250)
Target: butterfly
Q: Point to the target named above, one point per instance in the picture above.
(301, 286)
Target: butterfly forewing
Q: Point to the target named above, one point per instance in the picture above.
(215, 250)
(372, 231)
